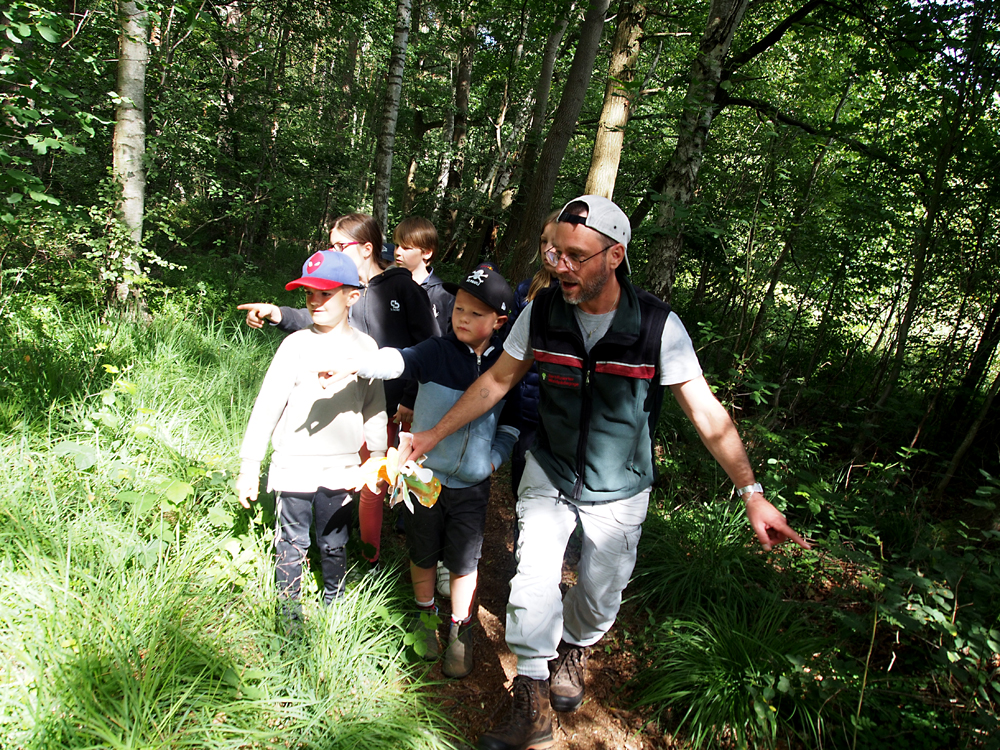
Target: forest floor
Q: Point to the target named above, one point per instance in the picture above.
(605, 721)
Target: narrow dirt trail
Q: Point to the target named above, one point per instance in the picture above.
(604, 722)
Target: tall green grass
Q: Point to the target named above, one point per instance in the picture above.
(739, 674)
(696, 555)
(136, 598)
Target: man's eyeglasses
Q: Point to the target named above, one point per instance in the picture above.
(573, 262)
(339, 246)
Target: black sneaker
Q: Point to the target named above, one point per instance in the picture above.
(568, 671)
(528, 726)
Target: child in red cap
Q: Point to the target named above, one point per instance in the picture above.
(316, 433)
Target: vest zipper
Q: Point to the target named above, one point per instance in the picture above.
(585, 411)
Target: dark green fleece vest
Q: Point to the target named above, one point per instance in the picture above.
(598, 411)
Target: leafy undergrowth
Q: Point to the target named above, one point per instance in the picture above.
(886, 634)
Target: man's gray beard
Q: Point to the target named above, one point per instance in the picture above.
(593, 289)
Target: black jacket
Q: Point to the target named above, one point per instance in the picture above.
(442, 301)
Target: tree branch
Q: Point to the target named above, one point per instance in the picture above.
(736, 62)
(771, 111)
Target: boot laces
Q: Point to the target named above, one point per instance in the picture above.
(572, 666)
(523, 709)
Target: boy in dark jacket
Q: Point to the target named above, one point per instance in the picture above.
(416, 242)
(452, 530)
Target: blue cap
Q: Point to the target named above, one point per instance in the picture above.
(327, 269)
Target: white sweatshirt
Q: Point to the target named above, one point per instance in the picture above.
(316, 433)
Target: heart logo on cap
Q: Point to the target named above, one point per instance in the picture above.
(314, 262)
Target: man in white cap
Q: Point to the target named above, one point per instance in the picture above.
(604, 351)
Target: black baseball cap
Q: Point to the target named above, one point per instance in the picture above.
(487, 285)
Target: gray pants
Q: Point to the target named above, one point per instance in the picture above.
(537, 617)
(330, 511)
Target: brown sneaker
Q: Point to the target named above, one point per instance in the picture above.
(566, 683)
(458, 656)
(528, 726)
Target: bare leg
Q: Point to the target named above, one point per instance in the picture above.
(463, 589)
(423, 582)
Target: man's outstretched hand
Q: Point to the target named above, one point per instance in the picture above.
(421, 445)
(769, 524)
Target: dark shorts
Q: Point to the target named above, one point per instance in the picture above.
(451, 531)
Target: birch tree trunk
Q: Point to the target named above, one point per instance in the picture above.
(390, 113)
(617, 99)
(699, 109)
(129, 144)
(527, 223)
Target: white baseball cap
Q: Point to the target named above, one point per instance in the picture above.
(604, 216)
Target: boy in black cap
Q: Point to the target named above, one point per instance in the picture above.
(452, 530)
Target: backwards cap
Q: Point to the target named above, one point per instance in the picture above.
(603, 216)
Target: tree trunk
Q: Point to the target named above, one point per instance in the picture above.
(705, 97)
(420, 129)
(528, 222)
(463, 85)
(390, 113)
(797, 217)
(970, 437)
(923, 244)
(533, 136)
(976, 368)
(444, 168)
(699, 109)
(617, 99)
(129, 145)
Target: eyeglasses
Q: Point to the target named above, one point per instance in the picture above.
(573, 262)
(339, 246)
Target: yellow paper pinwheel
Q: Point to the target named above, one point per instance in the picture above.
(410, 479)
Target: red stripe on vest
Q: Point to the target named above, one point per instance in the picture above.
(642, 372)
(554, 358)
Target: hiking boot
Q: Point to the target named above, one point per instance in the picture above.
(567, 674)
(458, 660)
(528, 726)
(443, 583)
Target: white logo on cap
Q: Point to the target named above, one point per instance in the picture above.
(477, 277)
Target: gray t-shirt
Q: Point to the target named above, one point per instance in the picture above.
(678, 360)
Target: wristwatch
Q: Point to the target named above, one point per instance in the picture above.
(749, 489)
